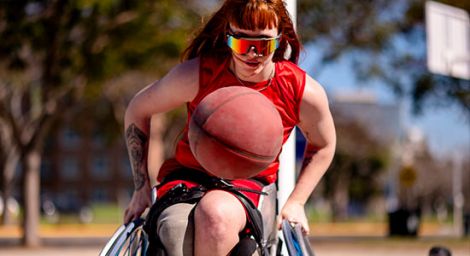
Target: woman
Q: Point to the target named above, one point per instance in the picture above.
(245, 43)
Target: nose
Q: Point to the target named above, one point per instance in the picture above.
(252, 52)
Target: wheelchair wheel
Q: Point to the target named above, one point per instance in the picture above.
(128, 239)
(297, 244)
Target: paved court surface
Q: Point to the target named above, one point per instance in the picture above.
(322, 246)
(332, 240)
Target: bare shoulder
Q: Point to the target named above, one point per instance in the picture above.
(181, 84)
(178, 86)
(188, 69)
(314, 98)
(182, 80)
(316, 121)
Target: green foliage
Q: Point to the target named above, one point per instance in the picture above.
(62, 53)
(94, 39)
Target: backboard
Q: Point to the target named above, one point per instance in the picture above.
(448, 40)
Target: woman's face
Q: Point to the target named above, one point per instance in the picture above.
(251, 64)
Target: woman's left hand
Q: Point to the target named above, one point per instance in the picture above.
(294, 212)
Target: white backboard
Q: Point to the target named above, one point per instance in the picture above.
(448, 40)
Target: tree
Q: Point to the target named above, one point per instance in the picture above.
(354, 172)
(56, 54)
(386, 39)
(8, 162)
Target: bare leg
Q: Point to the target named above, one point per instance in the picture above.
(219, 217)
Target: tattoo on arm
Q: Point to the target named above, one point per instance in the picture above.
(137, 142)
(310, 150)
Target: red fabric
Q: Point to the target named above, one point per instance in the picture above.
(285, 92)
(249, 184)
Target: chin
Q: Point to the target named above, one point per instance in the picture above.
(250, 72)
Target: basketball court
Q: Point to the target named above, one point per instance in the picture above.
(322, 246)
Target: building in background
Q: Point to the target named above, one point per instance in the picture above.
(80, 168)
(382, 121)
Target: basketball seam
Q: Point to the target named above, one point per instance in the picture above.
(227, 101)
(235, 149)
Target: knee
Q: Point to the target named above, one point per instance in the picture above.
(220, 216)
(213, 221)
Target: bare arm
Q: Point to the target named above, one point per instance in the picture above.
(317, 125)
(137, 145)
(180, 85)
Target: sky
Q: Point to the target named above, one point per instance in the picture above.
(445, 129)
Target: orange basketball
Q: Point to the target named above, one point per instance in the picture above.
(235, 132)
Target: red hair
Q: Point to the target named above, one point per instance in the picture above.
(249, 15)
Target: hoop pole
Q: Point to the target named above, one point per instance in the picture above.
(286, 177)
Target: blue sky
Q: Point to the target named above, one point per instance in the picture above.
(445, 129)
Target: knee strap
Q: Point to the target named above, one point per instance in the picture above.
(246, 247)
(254, 220)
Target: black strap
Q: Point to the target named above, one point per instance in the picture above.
(254, 221)
(245, 247)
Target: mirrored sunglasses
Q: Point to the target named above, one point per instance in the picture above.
(261, 46)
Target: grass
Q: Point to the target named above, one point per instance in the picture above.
(101, 214)
(107, 213)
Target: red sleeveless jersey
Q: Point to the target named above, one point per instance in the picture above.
(285, 91)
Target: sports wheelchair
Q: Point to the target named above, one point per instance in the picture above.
(132, 239)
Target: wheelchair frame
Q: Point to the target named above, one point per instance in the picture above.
(131, 239)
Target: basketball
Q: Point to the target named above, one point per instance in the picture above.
(235, 132)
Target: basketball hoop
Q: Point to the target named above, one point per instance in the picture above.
(448, 40)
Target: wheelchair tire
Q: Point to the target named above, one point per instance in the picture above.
(129, 239)
(297, 244)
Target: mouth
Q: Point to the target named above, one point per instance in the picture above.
(253, 63)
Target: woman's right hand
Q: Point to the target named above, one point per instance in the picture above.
(141, 199)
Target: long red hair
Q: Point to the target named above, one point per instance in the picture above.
(250, 15)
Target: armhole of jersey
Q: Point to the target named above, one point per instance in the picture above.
(191, 104)
(210, 67)
(303, 82)
(205, 67)
(201, 77)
